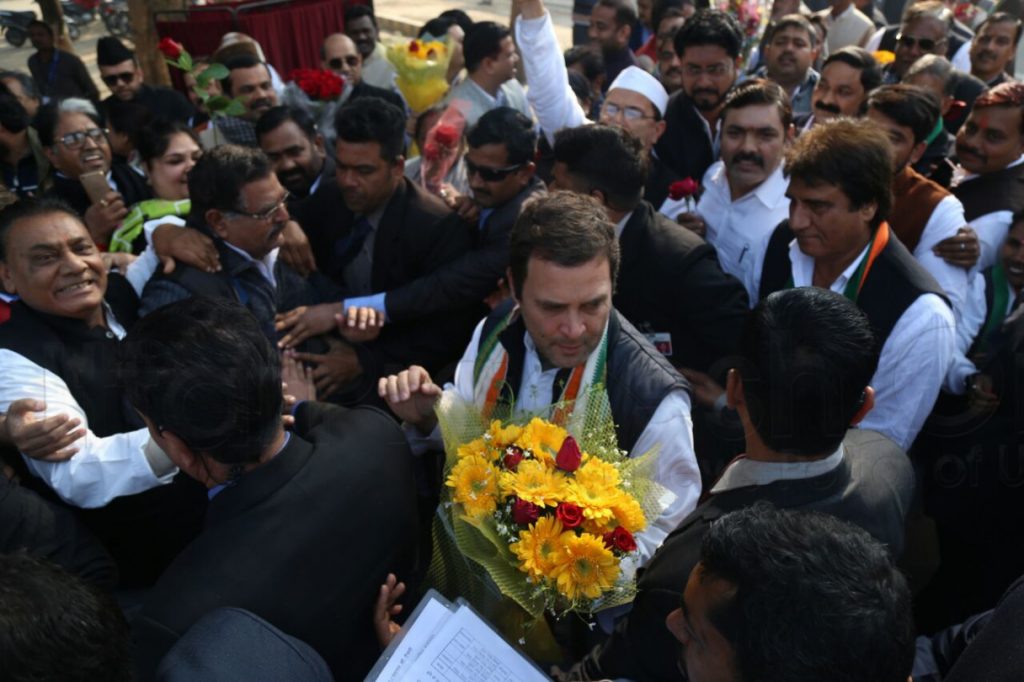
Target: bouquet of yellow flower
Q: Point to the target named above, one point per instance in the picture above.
(550, 518)
(422, 68)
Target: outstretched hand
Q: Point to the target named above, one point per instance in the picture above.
(411, 395)
(49, 439)
(305, 321)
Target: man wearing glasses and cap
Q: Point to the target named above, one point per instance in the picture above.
(120, 71)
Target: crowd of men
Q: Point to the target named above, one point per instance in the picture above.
(793, 264)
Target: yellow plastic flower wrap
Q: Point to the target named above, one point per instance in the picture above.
(539, 518)
(422, 70)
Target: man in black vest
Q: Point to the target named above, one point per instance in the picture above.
(60, 348)
(801, 381)
(990, 148)
(837, 238)
(522, 358)
(670, 284)
(303, 526)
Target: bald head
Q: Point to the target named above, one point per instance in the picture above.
(340, 55)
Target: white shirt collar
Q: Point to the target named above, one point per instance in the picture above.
(265, 266)
(958, 178)
(621, 225)
(743, 472)
(803, 268)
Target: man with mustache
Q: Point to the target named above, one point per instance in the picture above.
(994, 47)
(990, 179)
(249, 80)
(670, 70)
(295, 148)
(790, 47)
(846, 79)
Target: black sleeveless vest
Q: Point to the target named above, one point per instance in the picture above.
(1001, 190)
(639, 377)
(896, 280)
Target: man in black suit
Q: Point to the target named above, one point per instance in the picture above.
(805, 361)
(302, 526)
(372, 230)
(340, 55)
(670, 283)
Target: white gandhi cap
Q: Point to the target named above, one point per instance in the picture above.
(636, 79)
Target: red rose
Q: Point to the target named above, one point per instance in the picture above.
(524, 513)
(569, 455)
(446, 134)
(170, 48)
(620, 539)
(414, 46)
(431, 152)
(569, 514)
(680, 189)
(513, 456)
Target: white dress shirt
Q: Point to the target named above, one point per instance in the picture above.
(670, 431)
(103, 468)
(737, 229)
(947, 217)
(914, 360)
(743, 472)
(969, 325)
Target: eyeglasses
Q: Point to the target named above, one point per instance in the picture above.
(265, 216)
(336, 63)
(112, 79)
(76, 139)
(489, 174)
(926, 44)
(629, 113)
(715, 70)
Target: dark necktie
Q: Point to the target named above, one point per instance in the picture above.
(349, 246)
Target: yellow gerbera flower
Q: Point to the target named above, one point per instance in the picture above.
(476, 485)
(537, 548)
(544, 438)
(585, 567)
(503, 435)
(476, 448)
(629, 513)
(533, 482)
(595, 490)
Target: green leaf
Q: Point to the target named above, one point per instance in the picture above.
(217, 103)
(234, 108)
(185, 60)
(173, 62)
(217, 71)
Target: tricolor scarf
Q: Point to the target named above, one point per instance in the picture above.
(491, 388)
(856, 282)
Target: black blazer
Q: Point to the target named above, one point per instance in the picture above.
(872, 488)
(685, 147)
(670, 282)
(303, 541)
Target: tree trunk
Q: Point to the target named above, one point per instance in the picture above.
(54, 16)
(154, 69)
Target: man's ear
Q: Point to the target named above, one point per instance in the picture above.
(790, 134)
(867, 402)
(734, 396)
(600, 196)
(318, 143)
(868, 211)
(623, 33)
(659, 130)
(398, 168)
(217, 220)
(511, 284)
(6, 278)
(917, 152)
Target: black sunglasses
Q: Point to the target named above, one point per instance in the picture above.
(338, 62)
(490, 174)
(112, 79)
(926, 44)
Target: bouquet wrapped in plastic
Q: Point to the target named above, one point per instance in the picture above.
(422, 71)
(319, 92)
(441, 149)
(543, 514)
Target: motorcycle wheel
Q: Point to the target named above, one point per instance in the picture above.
(16, 37)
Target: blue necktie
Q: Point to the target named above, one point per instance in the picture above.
(349, 246)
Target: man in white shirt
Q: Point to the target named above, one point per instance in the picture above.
(745, 192)
(361, 27)
(846, 25)
(837, 238)
(564, 256)
(490, 81)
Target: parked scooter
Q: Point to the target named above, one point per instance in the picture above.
(81, 12)
(15, 26)
(115, 17)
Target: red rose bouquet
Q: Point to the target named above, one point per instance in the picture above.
(318, 92)
(441, 149)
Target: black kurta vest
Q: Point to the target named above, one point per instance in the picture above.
(1002, 190)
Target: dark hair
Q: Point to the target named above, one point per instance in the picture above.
(459, 17)
(936, 66)
(808, 355)
(816, 598)
(759, 91)
(589, 59)
(928, 9)
(909, 106)
(203, 369)
(370, 119)
(861, 59)
(275, 117)
(27, 84)
(436, 27)
(30, 208)
(127, 117)
(241, 61)
(48, 118)
(625, 11)
(564, 228)
(155, 138)
(509, 127)
(791, 21)
(483, 41)
(710, 27)
(217, 179)
(606, 158)
(852, 154)
(54, 626)
(662, 9)
(358, 12)
(1003, 18)
(13, 116)
(37, 22)
(580, 86)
